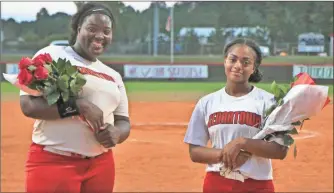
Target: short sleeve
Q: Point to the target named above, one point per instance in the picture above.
(123, 107)
(197, 132)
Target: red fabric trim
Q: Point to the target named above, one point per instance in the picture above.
(84, 70)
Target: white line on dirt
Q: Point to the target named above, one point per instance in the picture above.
(308, 134)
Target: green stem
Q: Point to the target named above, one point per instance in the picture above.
(54, 67)
(53, 78)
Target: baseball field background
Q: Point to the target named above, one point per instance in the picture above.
(155, 159)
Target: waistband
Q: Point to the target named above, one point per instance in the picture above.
(61, 152)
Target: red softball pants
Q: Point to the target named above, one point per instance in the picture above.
(214, 183)
(48, 172)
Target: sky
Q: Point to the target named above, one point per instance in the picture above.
(26, 11)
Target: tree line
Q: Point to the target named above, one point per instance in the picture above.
(283, 20)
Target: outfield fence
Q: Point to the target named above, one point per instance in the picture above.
(322, 73)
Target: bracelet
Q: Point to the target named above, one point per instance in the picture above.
(67, 109)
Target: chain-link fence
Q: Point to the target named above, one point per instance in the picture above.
(194, 48)
(180, 48)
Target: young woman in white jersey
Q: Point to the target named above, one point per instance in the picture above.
(229, 118)
(66, 155)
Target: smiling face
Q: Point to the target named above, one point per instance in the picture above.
(239, 63)
(94, 35)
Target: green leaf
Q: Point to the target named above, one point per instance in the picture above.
(48, 67)
(288, 140)
(74, 87)
(33, 85)
(285, 89)
(280, 102)
(297, 123)
(65, 96)
(270, 110)
(31, 68)
(295, 151)
(277, 91)
(301, 125)
(75, 74)
(49, 90)
(281, 93)
(293, 131)
(80, 80)
(70, 70)
(274, 87)
(54, 67)
(73, 82)
(65, 78)
(40, 88)
(53, 98)
(60, 65)
(63, 82)
(47, 83)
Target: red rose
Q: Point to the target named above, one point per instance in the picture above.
(41, 73)
(38, 61)
(300, 74)
(25, 78)
(303, 78)
(46, 57)
(25, 62)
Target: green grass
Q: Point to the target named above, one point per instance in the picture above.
(176, 87)
(8, 88)
(196, 59)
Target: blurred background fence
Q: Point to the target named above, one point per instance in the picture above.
(196, 28)
(289, 33)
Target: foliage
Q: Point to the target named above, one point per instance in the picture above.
(280, 18)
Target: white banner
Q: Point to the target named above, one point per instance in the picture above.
(304, 48)
(12, 69)
(317, 72)
(165, 71)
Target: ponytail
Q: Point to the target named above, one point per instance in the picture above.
(256, 76)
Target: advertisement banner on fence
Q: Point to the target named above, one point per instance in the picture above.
(317, 72)
(165, 71)
(12, 69)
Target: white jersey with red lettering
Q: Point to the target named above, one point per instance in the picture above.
(220, 118)
(104, 88)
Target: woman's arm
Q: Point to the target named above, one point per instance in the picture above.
(38, 108)
(111, 135)
(205, 155)
(123, 124)
(261, 148)
(257, 147)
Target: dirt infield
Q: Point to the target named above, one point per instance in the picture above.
(155, 159)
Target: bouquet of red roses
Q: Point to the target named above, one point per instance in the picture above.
(45, 77)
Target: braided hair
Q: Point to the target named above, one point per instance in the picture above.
(84, 11)
(257, 75)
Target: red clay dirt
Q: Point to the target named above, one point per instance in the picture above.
(155, 159)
